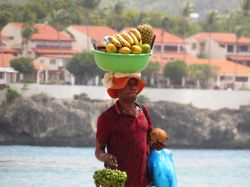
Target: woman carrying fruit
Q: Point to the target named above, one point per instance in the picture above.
(123, 129)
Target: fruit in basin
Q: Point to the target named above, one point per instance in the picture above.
(124, 50)
(136, 49)
(111, 48)
(146, 48)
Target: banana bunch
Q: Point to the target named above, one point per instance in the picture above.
(126, 43)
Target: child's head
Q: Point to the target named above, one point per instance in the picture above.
(158, 136)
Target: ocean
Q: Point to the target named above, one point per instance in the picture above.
(33, 166)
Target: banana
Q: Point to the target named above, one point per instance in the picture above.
(122, 40)
(136, 33)
(114, 41)
(127, 37)
(136, 42)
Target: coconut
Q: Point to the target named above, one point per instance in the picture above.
(158, 135)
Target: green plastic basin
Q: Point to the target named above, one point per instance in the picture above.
(125, 63)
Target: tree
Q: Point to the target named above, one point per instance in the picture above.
(202, 73)
(24, 66)
(238, 33)
(27, 32)
(151, 71)
(187, 10)
(175, 71)
(88, 5)
(83, 67)
(211, 19)
(245, 7)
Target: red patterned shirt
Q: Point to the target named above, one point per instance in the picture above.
(126, 138)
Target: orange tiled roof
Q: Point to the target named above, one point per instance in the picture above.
(45, 32)
(223, 67)
(54, 51)
(221, 37)
(11, 51)
(95, 32)
(239, 57)
(163, 36)
(5, 60)
(166, 37)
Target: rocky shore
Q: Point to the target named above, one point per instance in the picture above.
(45, 121)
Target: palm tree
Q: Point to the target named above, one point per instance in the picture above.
(59, 19)
(211, 19)
(187, 10)
(238, 33)
(245, 7)
(88, 5)
(27, 32)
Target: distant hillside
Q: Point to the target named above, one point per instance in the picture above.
(168, 6)
(175, 6)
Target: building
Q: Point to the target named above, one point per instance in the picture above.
(46, 45)
(7, 73)
(223, 46)
(51, 69)
(85, 36)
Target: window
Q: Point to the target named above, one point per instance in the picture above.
(243, 48)
(241, 79)
(1, 75)
(170, 48)
(52, 61)
(157, 48)
(193, 46)
(41, 61)
(226, 78)
(230, 48)
(222, 45)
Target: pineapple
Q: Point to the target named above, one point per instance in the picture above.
(147, 33)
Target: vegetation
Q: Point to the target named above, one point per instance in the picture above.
(119, 14)
(82, 97)
(11, 95)
(175, 71)
(24, 66)
(83, 67)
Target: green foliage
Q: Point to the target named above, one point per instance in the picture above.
(11, 95)
(23, 65)
(142, 99)
(202, 72)
(82, 97)
(42, 97)
(83, 67)
(175, 71)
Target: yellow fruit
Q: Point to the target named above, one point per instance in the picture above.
(136, 42)
(114, 41)
(101, 46)
(127, 37)
(124, 50)
(111, 48)
(136, 33)
(122, 40)
(146, 48)
(136, 49)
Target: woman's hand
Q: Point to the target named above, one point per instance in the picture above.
(110, 162)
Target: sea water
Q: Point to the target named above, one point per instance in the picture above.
(32, 166)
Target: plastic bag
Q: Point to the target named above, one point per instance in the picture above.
(161, 168)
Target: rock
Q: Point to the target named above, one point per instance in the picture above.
(49, 122)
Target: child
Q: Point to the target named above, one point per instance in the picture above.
(160, 162)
